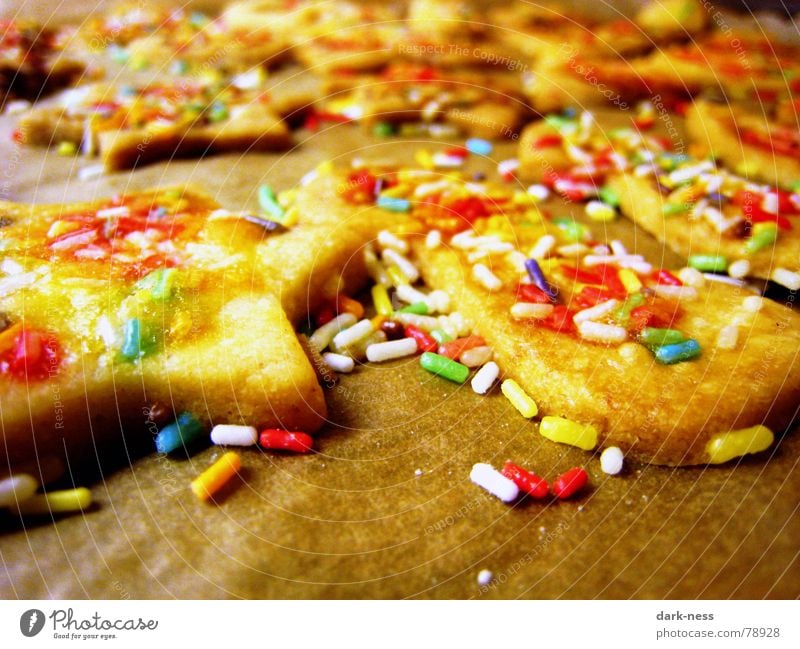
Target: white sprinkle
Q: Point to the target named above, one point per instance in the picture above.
(424, 322)
(418, 472)
(572, 250)
(770, 203)
(786, 278)
(231, 435)
(539, 192)
(529, 310)
(339, 362)
(724, 279)
(685, 174)
(408, 294)
(644, 170)
(406, 267)
(688, 293)
(486, 277)
(439, 301)
(389, 240)
(600, 211)
(600, 332)
(611, 460)
(11, 267)
(426, 189)
(595, 312)
(375, 268)
(476, 357)
(691, 277)
(444, 161)
(739, 268)
(90, 172)
(484, 577)
(517, 259)
(485, 377)
(392, 349)
(323, 336)
(17, 106)
(353, 334)
(113, 212)
(433, 239)
(618, 248)
(542, 247)
(753, 303)
(507, 167)
(16, 489)
(728, 337)
(484, 475)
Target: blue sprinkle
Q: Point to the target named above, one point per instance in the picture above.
(670, 354)
(716, 197)
(537, 277)
(478, 146)
(394, 204)
(185, 430)
(131, 340)
(569, 111)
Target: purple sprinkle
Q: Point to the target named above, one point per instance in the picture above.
(269, 226)
(716, 197)
(378, 187)
(537, 277)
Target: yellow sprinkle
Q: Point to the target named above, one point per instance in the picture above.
(380, 298)
(629, 280)
(396, 275)
(569, 432)
(424, 159)
(736, 443)
(66, 148)
(57, 502)
(214, 477)
(287, 197)
(519, 398)
(325, 168)
(290, 218)
(61, 227)
(377, 321)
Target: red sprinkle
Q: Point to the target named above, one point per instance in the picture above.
(547, 141)
(531, 293)
(283, 440)
(425, 343)
(662, 276)
(455, 348)
(570, 482)
(528, 482)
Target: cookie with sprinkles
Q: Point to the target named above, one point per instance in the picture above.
(479, 103)
(165, 297)
(151, 297)
(33, 61)
(748, 142)
(718, 220)
(129, 125)
(178, 40)
(604, 348)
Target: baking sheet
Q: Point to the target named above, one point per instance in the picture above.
(385, 508)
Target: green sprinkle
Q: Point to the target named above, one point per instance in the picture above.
(269, 202)
(795, 186)
(441, 336)
(623, 312)
(709, 263)
(160, 283)
(218, 112)
(418, 308)
(561, 123)
(609, 195)
(653, 337)
(761, 237)
(670, 209)
(572, 230)
(383, 129)
(444, 367)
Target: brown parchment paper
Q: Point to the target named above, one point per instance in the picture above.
(385, 508)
